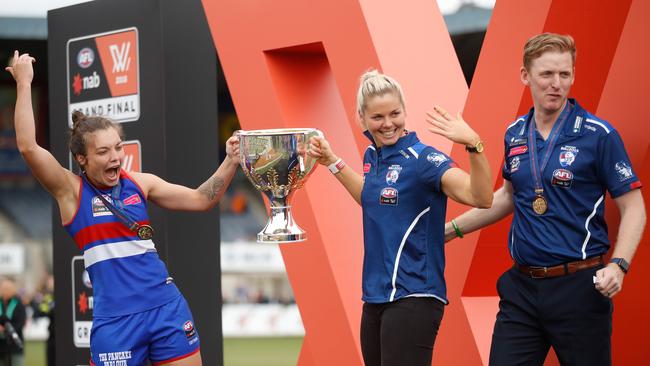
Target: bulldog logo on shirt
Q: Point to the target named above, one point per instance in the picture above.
(624, 171)
(436, 159)
(514, 164)
(393, 174)
(568, 155)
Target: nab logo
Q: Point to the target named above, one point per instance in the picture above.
(84, 83)
(132, 157)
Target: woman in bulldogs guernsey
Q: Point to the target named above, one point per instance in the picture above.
(139, 313)
(403, 195)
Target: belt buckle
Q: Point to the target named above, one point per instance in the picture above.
(532, 270)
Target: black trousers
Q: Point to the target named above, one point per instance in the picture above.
(400, 333)
(566, 313)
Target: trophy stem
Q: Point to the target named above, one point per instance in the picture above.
(281, 228)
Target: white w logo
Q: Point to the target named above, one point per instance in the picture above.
(127, 164)
(121, 59)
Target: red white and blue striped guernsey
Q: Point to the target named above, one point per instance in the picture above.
(126, 273)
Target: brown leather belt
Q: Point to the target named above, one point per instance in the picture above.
(559, 270)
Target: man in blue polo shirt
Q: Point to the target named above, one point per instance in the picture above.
(559, 162)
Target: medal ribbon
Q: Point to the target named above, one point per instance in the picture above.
(115, 194)
(535, 170)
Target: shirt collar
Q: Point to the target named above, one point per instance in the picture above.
(403, 143)
(568, 125)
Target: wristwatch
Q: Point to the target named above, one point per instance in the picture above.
(622, 263)
(477, 148)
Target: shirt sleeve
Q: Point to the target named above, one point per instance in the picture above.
(615, 168)
(432, 164)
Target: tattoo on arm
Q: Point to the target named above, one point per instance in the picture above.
(211, 187)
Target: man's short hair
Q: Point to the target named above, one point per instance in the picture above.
(548, 42)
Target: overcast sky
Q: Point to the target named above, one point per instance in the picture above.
(39, 8)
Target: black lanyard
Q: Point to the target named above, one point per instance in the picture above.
(144, 232)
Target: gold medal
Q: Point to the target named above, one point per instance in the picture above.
(145, 232)
(540, 205)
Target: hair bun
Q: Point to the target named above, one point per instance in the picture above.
(369, 74)
(78, 116)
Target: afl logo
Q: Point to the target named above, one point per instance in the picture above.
(188, 327)
(388, 196)
(562, 178)
(85, 58)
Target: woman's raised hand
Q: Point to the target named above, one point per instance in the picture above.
(454, 129)
(20, 67)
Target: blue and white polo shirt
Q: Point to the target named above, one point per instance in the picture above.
(403, 221)
(587, 159)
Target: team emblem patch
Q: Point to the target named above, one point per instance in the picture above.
(188, 327)
(518, 150)
(624, 171)
(388, 196)
(568, 155)
(567, 158)
(436, 159)
(514, 164)
(366, 168)
(98, 208)
(562, 178)
(393, 174)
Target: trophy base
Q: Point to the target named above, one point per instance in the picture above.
(265, 238)
(281, 228)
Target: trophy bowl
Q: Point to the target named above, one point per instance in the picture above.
(276, 162)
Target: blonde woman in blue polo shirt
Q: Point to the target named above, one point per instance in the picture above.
(403, 194)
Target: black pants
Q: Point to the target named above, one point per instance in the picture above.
(400, 333)
(566, 313)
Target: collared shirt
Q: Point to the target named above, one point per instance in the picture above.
(403, 221)
(587, 159)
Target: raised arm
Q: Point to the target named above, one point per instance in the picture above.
(477, 218)
(630, 230)
(475, 188)
(178, 197)
(60, 182)
(351, 180)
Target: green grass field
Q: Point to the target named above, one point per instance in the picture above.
(237, 352)
(34, 353)
(261, 351)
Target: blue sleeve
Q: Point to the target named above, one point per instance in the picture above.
(432, 164)
(614, 166)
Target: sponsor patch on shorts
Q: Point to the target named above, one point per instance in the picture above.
(188, 327)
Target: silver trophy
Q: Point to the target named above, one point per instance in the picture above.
(277, 164)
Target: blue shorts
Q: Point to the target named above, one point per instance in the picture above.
(160, 335)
